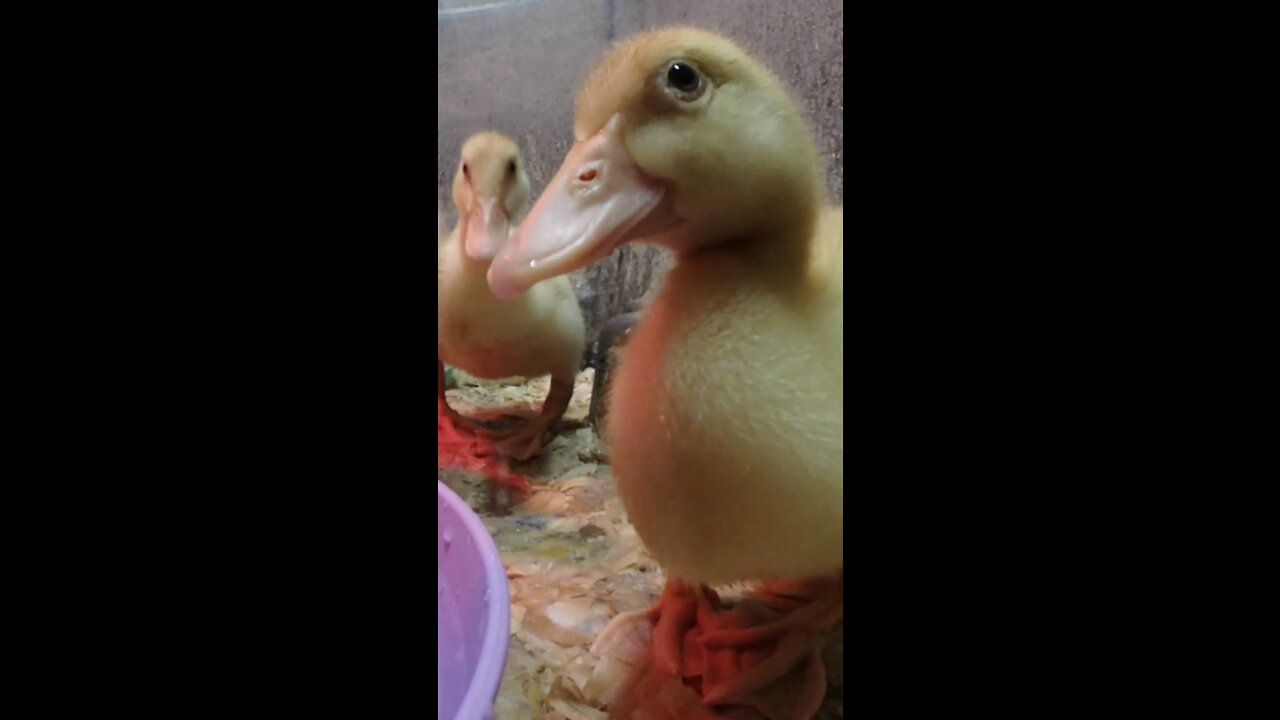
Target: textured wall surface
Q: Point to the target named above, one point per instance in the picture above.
(515, 65)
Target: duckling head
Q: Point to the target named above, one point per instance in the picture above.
(681, 139)
(490, 187)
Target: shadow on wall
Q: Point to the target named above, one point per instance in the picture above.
(515, 66)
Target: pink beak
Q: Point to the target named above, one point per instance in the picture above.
(488, 228)
(589, 208)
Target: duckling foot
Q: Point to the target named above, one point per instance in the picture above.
(775, 667)
(740, 656)
(478, 428)
(522, 446)
(507, 426)
(529, 440)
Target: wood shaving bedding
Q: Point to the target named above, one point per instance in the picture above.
(573, 562)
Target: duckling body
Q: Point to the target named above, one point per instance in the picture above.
(741, 476)
(726, 417)
(538, 333)
(738, 473)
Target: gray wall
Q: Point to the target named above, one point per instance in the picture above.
(515, 65)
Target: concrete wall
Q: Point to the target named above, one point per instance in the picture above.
(515, 65)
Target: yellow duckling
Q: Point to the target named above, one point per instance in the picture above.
(726, 416)
(539, 332)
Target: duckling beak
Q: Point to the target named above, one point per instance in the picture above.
(487, 229)
(589, 208)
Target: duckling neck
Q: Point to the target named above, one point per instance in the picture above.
(782, 253)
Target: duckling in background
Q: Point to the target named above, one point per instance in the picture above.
(726, 416)
(539, 332)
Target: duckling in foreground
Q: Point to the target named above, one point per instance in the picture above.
(539, 332)
(726, 417)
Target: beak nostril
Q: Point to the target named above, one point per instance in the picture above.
(587, 176)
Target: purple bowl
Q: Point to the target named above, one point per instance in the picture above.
(472, 613)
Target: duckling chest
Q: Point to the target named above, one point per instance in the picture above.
(469, 315)
(726, 423)
(743, 380)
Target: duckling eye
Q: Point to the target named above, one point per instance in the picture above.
(682, 78)
(466, 170)
(511, 167)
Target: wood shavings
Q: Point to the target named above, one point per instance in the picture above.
(579, 475)
(569, 613)
(546, 501)
(591, 531)
(545, 628)
(573, 562)
(632, 558)
(533, 695)
(516, 570)
(574, 711)
(547, 640)
(517, 617)
(576, 676)
(581, 614)
(563, 526)
(481, 398)
(575, 482)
